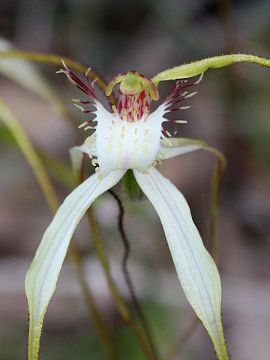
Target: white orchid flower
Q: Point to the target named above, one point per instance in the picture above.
(131, 137)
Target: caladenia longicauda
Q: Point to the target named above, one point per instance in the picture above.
(132, 137)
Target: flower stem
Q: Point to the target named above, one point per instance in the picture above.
(126, 273)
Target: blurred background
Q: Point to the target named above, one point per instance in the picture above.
(231, 112)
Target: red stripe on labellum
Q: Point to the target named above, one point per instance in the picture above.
(132, 107)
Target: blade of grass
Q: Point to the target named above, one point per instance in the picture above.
(57, 60)
(30, 154)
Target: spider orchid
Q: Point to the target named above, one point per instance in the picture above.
(132, 137)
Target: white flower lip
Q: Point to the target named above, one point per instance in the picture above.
(126, 145)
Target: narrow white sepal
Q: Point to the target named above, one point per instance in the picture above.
(43, 273)
(196, 269)
(179, 146)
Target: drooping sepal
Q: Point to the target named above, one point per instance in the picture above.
(196, 269)
(44, 271)
(173, 147)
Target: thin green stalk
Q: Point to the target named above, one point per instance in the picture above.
(48, 190)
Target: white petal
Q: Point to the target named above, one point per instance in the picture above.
(196, 269)
(43, 273)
